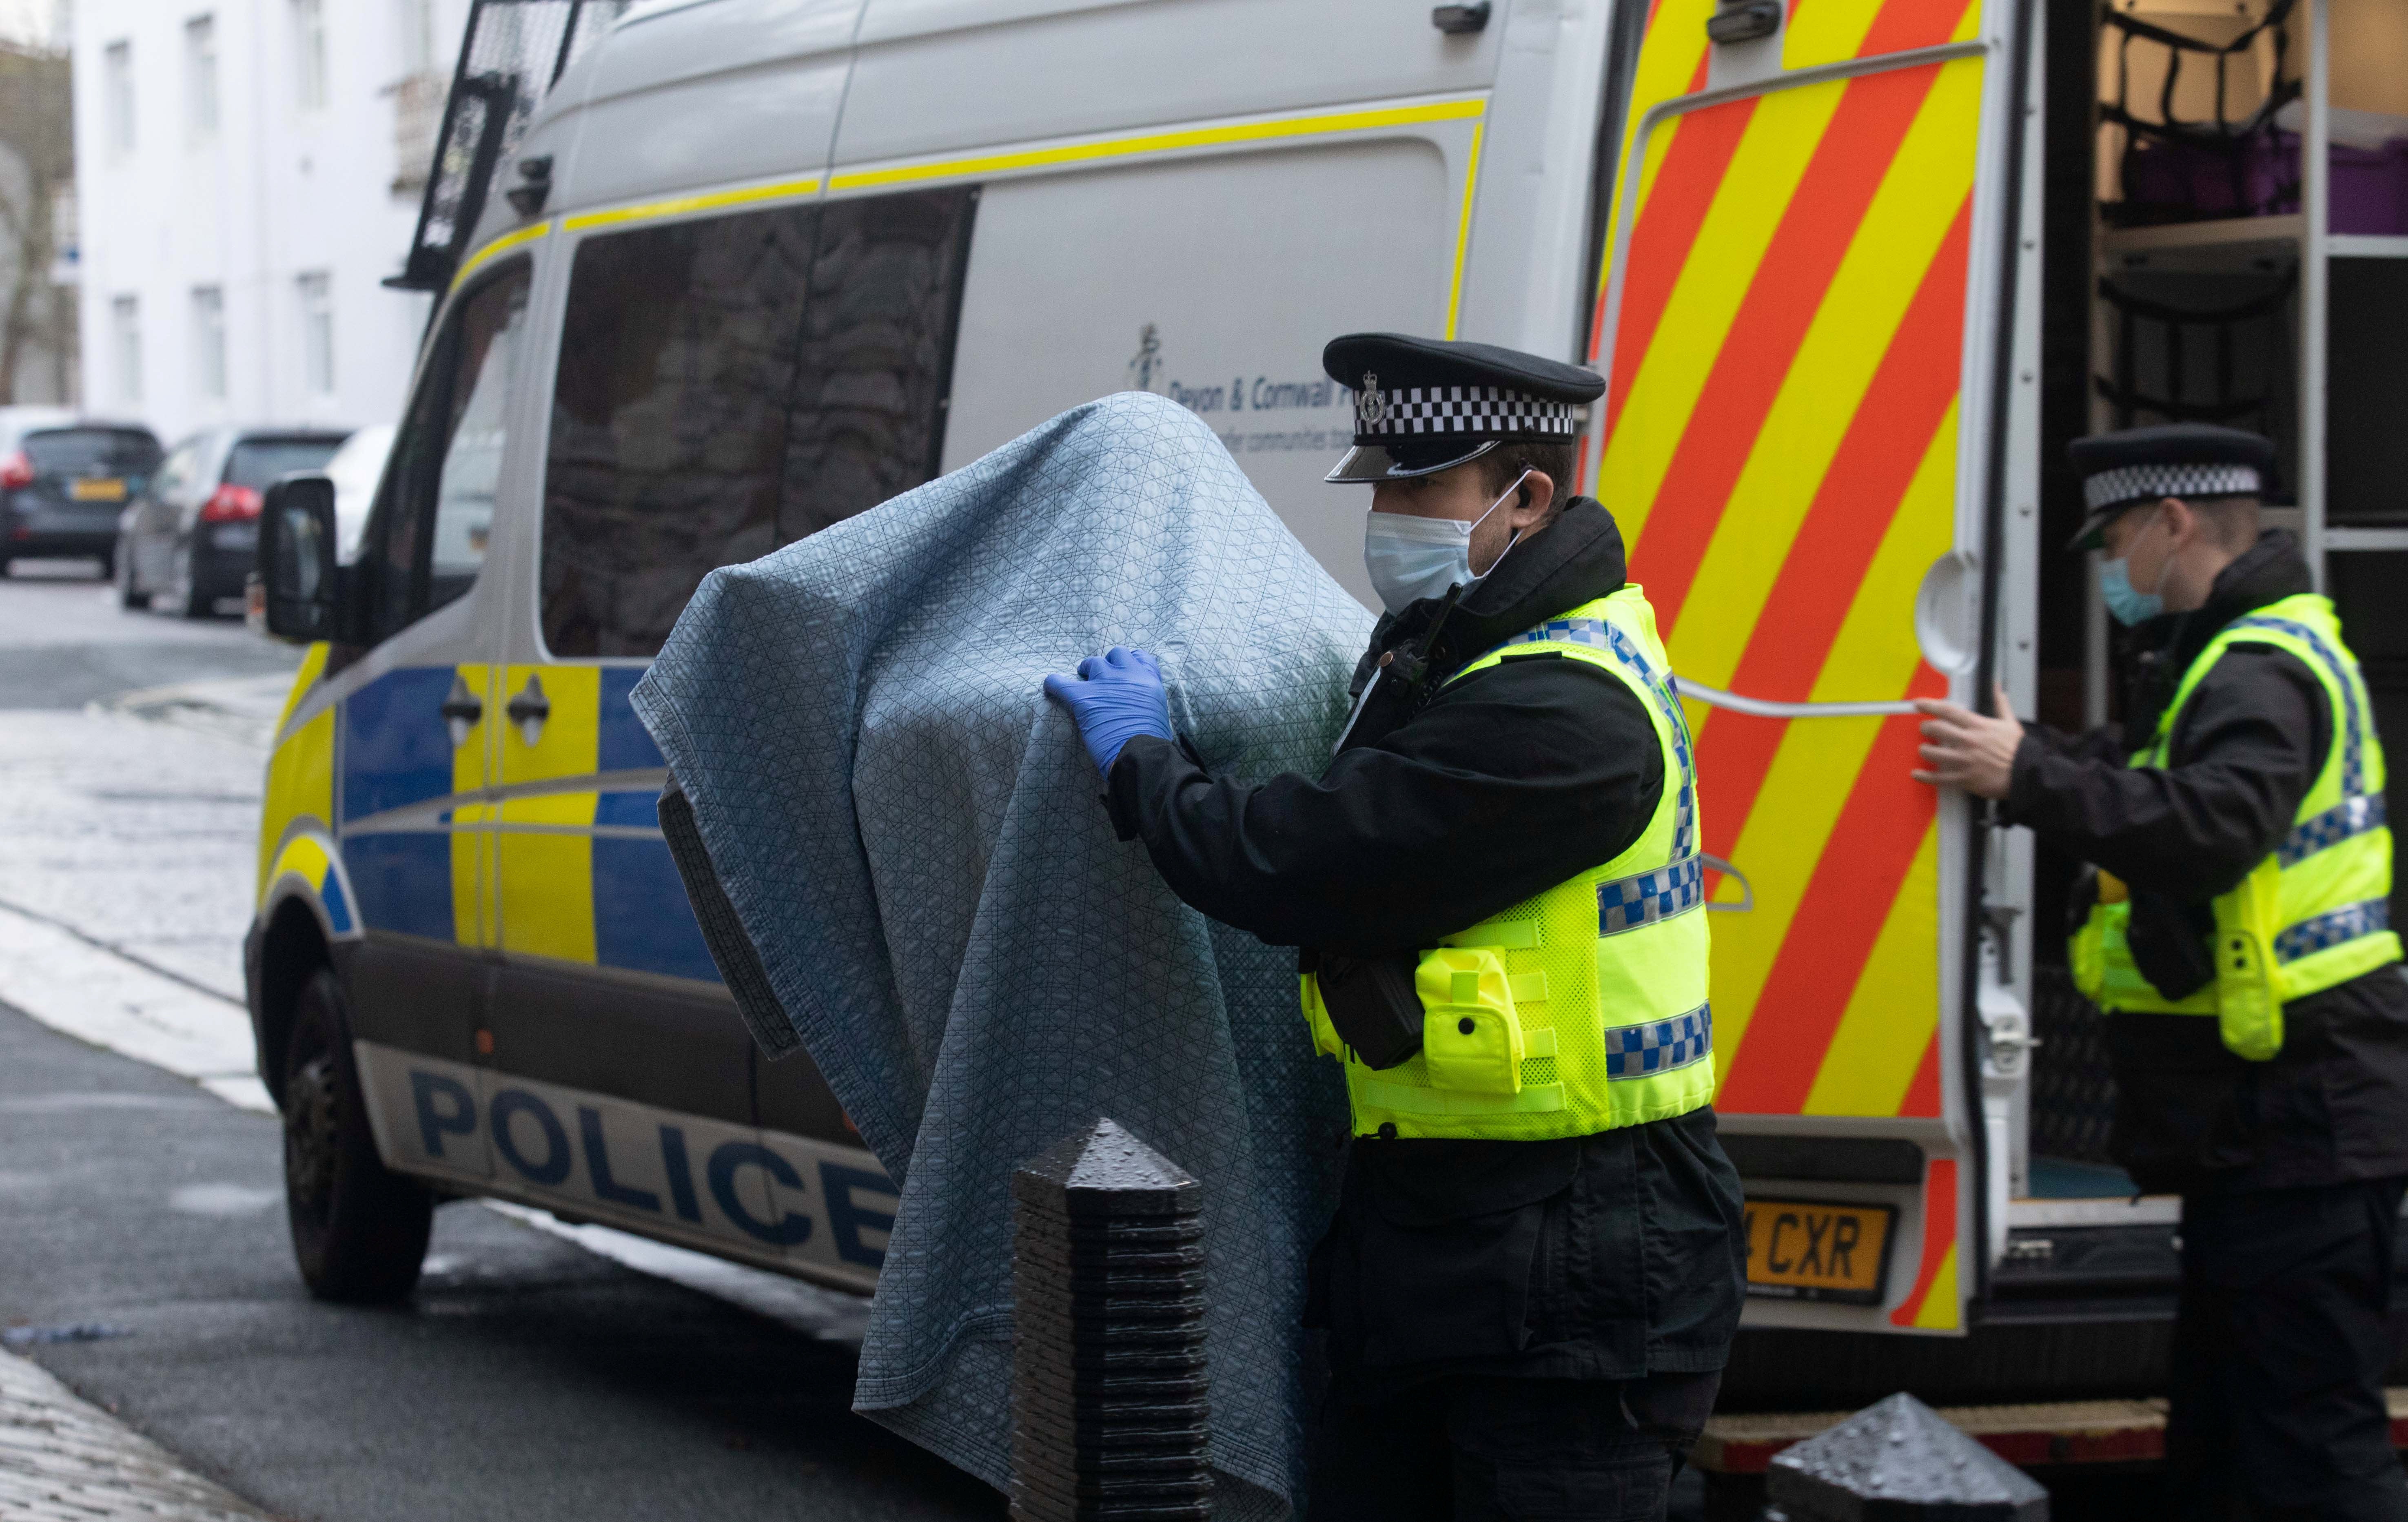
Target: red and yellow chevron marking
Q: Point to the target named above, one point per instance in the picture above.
(1782, 451)
(1933, 1304)
(1833, 31)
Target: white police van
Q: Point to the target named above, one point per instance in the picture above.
(759, 264)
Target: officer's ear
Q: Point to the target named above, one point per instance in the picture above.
(1537, 494)
(2182, 520)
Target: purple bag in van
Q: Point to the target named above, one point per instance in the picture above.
(2179, 179)
(2370, 187)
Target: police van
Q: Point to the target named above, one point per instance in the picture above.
(750, 266)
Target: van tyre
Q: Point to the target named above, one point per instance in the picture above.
(359, 1229)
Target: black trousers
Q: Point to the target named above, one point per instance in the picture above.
(1481, 1448)
(2280, 1349)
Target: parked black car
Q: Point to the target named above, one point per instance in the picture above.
(192, 536)
(64, 480)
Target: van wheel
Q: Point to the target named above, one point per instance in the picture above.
(359, 1229)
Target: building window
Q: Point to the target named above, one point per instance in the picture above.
(317, 335)
(209, 342)
(125, 329)
(201, 77)
(309, 51)
(117, 72)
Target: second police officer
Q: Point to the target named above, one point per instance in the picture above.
(2236, 930)
(1533, 1279)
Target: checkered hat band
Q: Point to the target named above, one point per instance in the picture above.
(1471, 411)
(2147, 483)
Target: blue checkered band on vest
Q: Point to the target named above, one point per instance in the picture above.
(2148, 482)
(2326, 931)
(2353, 745)
(1474, 412)
(1642, 898)
(1659, 1046)
(2349, 818)
(1599, 633)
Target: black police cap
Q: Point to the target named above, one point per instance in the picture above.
(1426, 405)
(2195, 461)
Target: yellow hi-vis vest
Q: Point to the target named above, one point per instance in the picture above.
(2316, 912)
(1584, 1008)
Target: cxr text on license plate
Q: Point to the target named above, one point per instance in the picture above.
(1818, 1250)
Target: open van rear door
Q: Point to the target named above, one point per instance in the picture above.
(1798, 320)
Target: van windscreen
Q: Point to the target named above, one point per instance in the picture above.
(730, 386)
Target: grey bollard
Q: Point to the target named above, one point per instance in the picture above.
(1108, 1375)
(1899, 1458)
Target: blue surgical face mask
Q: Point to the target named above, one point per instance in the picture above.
(1410, 558)
(2125, 603)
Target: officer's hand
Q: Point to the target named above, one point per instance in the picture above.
(1115, 698)
(1968, 750)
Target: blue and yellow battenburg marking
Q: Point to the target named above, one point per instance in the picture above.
(306, 858)
(509, 833)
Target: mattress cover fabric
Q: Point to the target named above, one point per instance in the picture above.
(910, 837)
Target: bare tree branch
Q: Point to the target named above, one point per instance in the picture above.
(37, 163)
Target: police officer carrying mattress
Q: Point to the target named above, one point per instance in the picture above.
(2236, 931)
(1535, 1272)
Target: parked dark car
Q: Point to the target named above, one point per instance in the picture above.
(191, 538)
(64, 480)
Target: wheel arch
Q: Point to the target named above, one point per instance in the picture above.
(291, 948)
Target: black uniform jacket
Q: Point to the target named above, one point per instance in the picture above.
(2190, 1116)
(1604, 1257)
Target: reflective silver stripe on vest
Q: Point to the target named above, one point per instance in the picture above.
(1603, 634)
(1642, 898)
(2326, 931)
(1659, 1046)
(2343, 821)
(2353, 749)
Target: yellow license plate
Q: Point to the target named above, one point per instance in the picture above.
(1816, 1249)
(98, 489)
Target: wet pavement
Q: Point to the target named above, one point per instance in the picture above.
(527, 1378)
(65, 641)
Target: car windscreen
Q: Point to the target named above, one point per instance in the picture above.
(75, 451)
(257, 462)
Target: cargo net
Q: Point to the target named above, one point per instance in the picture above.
(510, 55)
(2210, 165)
(2073, 1089)
(2229, 363)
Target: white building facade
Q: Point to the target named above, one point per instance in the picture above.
(248, 171)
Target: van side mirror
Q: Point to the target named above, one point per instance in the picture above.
(297, 577)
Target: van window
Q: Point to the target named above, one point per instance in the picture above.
(427, 536)
(877, 356)
(730, 386)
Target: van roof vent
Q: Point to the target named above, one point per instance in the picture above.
(511, 54)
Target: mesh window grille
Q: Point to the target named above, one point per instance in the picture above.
(510, 55)
(2073, 1089)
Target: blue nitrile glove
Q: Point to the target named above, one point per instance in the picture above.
(1115, 698)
